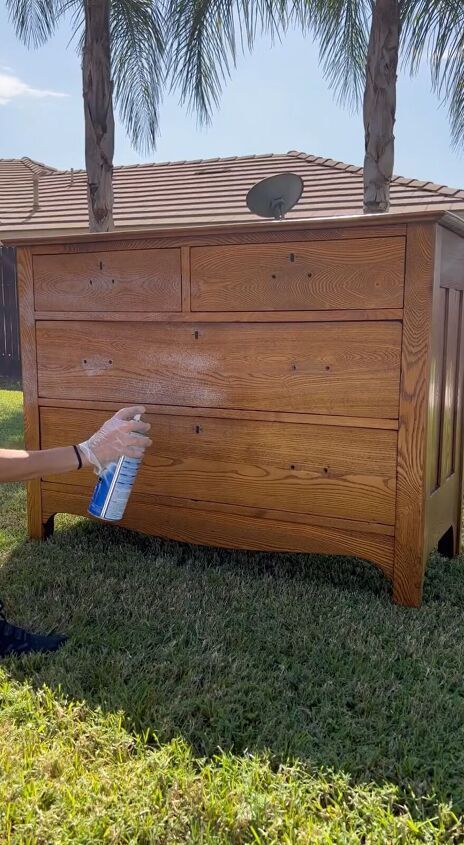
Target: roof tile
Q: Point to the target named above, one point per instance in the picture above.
(200, 191)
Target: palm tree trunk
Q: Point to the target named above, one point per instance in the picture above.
(98, 112)
(380, 105)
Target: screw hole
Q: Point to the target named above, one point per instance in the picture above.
(292, 466)
(327, 366)
(309, 275)
(90, 283)
(196, 335)
(292, 256)
(85, 360)
(110, 361)
(293, 366)
(112, 281)
(326, 469)
(274, 276)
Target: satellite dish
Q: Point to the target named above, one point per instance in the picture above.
(275, 196)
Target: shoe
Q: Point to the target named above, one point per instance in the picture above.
(15, 640)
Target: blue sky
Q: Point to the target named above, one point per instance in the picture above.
(276, 100)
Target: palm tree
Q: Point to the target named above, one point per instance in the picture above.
(203, 38)
(359, 46)
(359, 40)
(379, 105)
(122, 47)
(124, 41)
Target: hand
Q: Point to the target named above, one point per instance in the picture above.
(122, 435)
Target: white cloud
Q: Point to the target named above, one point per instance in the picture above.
(11, 87)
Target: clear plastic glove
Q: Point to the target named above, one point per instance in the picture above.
(122, 435)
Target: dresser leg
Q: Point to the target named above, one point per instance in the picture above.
(40, 526)
(34, 511)
(408, 575)
(41, 530)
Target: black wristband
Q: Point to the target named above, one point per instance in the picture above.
(78, 454)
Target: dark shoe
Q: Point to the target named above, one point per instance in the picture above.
(15, 640)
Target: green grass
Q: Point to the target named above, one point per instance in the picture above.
(216, 697)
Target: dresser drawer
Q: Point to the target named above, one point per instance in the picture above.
(321, 275)
(335, 368)
(307, 469)
(139, 280)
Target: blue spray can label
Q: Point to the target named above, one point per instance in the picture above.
(113, 489)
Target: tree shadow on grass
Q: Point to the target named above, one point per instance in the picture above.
(303, 656)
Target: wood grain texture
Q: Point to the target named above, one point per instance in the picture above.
(459, 427)
(452, 260)
(448, 431)
(273, 429)
(346, 473)
(441, 513)
(422, 268)
(435, 409)
(29, 384)
(298, 276)
(351, 525)
(136, 280)
(346, 368)
(166, 237)
(231, 530)
(379, 314)
(444, 458)
(225, 413)
(185, 262)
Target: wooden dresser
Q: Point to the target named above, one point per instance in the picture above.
(303, 381)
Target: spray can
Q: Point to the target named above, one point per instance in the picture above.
(113, 488)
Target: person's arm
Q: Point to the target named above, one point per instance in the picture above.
(19, 465)
(120, 435)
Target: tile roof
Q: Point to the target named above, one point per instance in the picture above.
(36, 198)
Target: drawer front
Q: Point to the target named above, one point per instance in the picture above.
(336, 368)
(307, 469)
(139, 280)
(323, 275)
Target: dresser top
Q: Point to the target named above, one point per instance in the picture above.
(364, 225)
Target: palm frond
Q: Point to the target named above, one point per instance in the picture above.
(455, 99)
(203, 38)
(434, 29)
(138, 44)
(342, 29)
(34, 20)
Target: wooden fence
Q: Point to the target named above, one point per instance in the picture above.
(10, 354)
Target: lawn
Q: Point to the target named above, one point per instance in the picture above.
(216, 697)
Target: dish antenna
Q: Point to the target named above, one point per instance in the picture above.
(275, 196)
